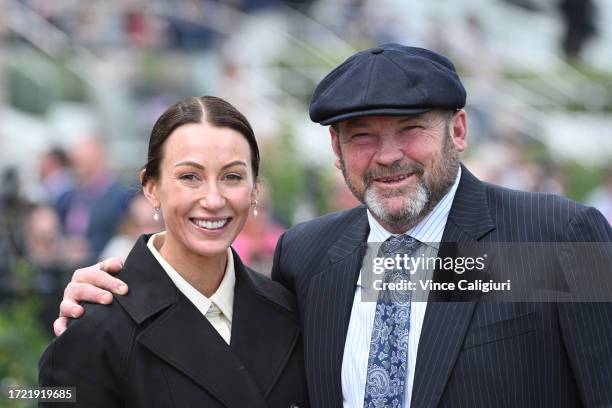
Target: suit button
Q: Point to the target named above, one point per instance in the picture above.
(294, 405)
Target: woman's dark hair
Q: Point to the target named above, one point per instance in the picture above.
(210, 109)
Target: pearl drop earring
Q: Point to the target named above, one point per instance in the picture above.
(156, 213)
(255, 210)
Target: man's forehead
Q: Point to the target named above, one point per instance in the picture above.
(365, 121)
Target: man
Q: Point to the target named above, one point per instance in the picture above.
(397, 127)
(55, 176)
(91, 211)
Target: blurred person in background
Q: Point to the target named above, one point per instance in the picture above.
(31, 249)
(257, 241)
(580, 26)
(14, 211)
(507, 163)
(136, 222)
(552, 179)
(45, 248)
(44, 236)
(90, 213)
(55, 175)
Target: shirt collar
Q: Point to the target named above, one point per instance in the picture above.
(223, 298)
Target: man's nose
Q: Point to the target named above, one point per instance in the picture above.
(388, 152)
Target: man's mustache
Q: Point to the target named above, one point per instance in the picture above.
(388, 171)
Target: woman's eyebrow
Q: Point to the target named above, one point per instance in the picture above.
(235, 163)
(199, 166)
(190, 163)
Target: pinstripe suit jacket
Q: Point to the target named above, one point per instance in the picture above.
(471, 354)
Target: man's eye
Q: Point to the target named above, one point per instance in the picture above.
(361, 138)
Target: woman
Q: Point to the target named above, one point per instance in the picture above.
(198, 328)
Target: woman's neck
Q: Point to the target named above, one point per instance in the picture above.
(204, 273)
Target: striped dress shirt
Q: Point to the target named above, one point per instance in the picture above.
(357, 346)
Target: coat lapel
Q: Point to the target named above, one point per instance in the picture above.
(330, 297)
(264, 328)
(178, 334)
(446, 320)
(183, 338)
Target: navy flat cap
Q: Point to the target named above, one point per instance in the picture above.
(389, 80)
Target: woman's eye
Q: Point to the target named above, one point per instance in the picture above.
(188, 177)
(233, 177)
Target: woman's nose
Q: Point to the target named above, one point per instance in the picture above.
(213, 198)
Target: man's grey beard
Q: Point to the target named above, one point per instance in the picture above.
(412, 210)
(425, 196)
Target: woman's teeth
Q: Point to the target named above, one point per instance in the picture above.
(211, 225)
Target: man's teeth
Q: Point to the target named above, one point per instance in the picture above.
(211, 224)
(394, 179)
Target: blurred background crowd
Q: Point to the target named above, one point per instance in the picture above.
(82, 83)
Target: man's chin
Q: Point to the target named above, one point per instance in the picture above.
(395, 209)
(388, 212)
(390, 194)
(391, 204)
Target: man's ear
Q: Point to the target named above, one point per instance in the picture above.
(335, 141)
(149, 189)
(458, 129)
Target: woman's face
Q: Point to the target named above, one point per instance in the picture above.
(205, 188)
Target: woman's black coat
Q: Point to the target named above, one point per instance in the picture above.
(153, 348)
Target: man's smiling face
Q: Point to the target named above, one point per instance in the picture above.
(400, 166)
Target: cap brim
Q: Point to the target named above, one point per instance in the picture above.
(374, 112)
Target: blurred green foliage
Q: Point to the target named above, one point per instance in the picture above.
(22, 341)
(284, 173)
(580, 180)
(35, 82)
(22, 337)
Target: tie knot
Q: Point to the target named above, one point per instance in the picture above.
(401, 244)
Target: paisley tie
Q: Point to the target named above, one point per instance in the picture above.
(386, 375)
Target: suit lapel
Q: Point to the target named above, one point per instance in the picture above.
(446, 320)
(330, 297)
(263, 334)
